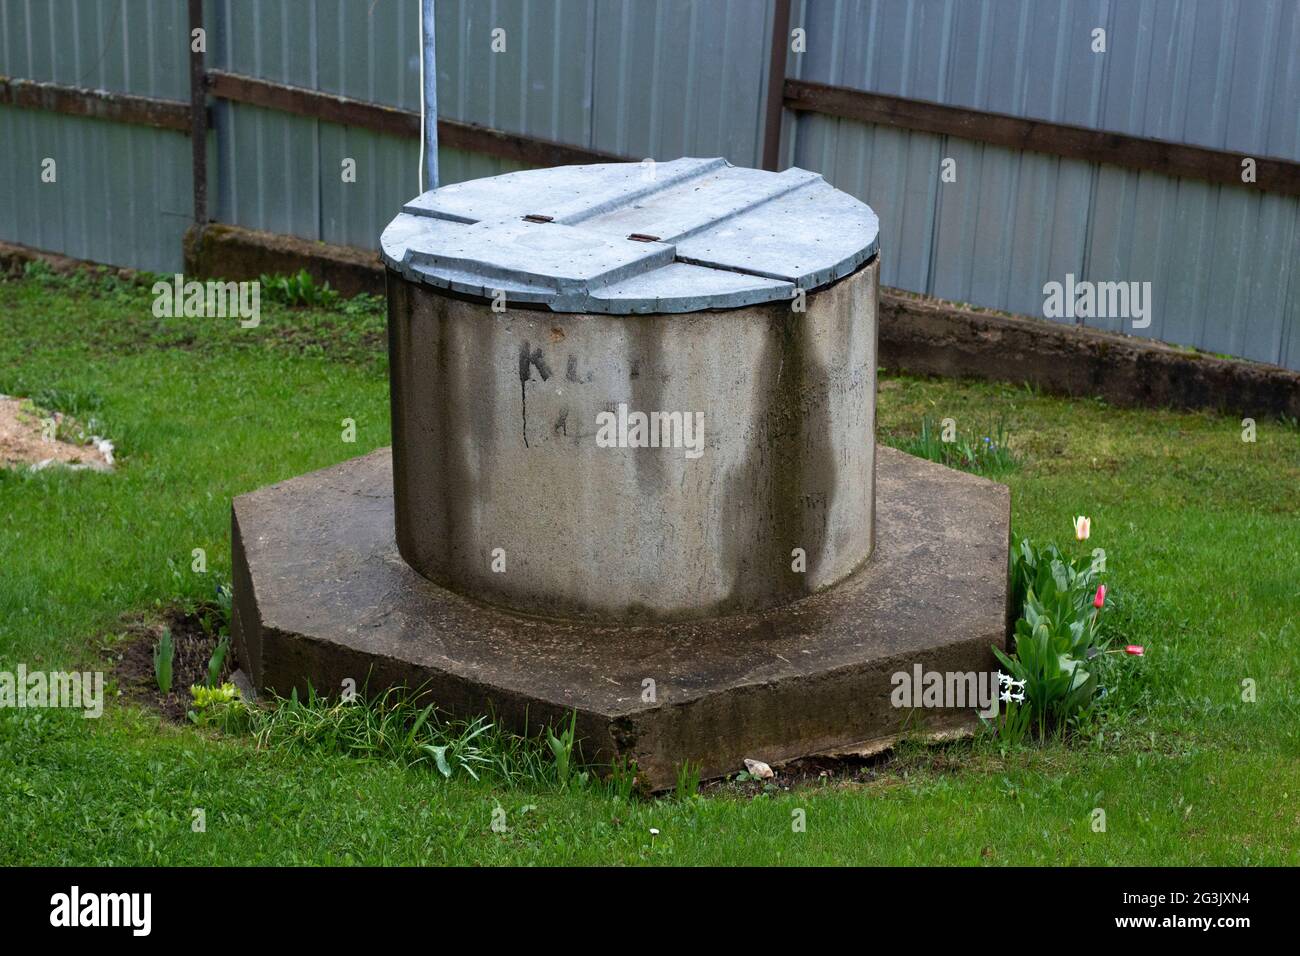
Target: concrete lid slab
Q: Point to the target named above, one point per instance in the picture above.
(678, 236)
(679, 287)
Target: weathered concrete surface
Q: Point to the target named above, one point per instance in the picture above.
(926, 337)
(497, 459)
(321, 595)
(233, 252)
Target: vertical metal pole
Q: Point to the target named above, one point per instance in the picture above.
(776, 84)
(430, 54)
(198, 117)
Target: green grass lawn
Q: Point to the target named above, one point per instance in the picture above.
(1201, 531)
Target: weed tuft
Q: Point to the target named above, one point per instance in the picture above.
(984, 451)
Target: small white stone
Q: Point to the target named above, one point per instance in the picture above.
(759, 769)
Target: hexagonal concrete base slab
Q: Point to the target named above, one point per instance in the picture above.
(321, 595)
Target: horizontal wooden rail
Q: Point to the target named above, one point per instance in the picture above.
(175, 115)
(528, 150)
(1057, 139)
(97, 104)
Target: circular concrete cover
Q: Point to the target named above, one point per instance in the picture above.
(679, 236)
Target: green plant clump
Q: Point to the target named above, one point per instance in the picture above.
(163, 654)
(299, 289)
(1051, 681)
(984, 454)
(222, 707)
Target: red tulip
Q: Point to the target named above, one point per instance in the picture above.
(1100, 599)
(1137, 650)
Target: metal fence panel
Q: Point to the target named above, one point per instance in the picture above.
(1221, 260)
(678, 78)
(122, 194)
(126, 46)
(1216, 73)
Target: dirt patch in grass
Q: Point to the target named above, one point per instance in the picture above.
(33, 437)
(193, 643)
(877, 763)
(808, 772)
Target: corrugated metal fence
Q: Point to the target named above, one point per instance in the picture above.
(671, 78)
(121, 192)
(1222, 260)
